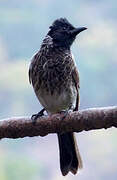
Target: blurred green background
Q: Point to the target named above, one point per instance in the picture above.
(23, 25)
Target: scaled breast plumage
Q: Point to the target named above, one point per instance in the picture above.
(51, 67)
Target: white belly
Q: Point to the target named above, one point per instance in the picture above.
(58, 102)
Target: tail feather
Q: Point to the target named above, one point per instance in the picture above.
(77, 161)
(70, 159)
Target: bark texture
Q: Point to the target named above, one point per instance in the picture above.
(88, 119)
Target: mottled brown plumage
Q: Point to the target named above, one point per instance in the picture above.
(55, 80)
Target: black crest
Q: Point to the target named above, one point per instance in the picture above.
(63, 33)
(61, 23)
(60, 33)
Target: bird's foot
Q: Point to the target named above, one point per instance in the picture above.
(36, 116)
(64, 113)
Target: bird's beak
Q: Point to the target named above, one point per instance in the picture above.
(76, 31)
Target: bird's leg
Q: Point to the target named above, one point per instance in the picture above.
(36, 116)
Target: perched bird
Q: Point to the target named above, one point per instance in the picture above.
(55, 80)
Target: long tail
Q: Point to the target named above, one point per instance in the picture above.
(70, 159)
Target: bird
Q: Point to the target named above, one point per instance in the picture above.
(55, 80)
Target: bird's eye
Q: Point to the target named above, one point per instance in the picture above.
(64, 28)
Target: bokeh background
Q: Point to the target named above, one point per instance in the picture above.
(23, 25)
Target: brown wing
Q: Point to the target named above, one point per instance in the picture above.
(30, 74)
(75, 77)
(33, 69)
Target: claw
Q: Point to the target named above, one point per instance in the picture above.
(36, 116)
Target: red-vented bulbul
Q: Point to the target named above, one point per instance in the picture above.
(55, 80)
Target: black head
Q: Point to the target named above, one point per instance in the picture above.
(63, 33)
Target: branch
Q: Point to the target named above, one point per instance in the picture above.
(89, 119)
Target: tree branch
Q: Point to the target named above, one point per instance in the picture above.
(89, 119)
